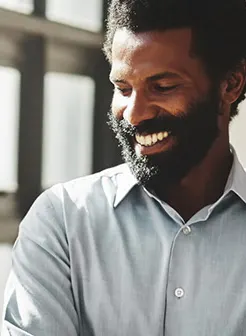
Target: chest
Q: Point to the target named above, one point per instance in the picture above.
(142, 275)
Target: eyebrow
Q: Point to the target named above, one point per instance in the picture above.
(164, 75)
(159, 76)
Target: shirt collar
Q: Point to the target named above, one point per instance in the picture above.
(125, 183)
(237, 178)
(236, 181)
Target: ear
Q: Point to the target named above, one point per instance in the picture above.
(233, 84)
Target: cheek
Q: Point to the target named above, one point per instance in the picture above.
(175, 105)
(118, 105)
(181, 100)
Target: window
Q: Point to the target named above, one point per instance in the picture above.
(82, 13)
(9, 119)
(5, 262)
(23, 6)
(68, 108)
(68, 127)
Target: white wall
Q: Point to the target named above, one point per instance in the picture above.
(238, 133)
(9, 119)
(81, 13)
(23, 6)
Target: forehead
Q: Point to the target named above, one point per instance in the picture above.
(144, 53)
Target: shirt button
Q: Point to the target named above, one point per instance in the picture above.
(186, 230)
(179, 293)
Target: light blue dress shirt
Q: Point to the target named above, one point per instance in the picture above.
(100, 256)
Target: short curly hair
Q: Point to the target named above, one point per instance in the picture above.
(218, 28)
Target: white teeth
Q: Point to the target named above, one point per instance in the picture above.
(154, 138)
(138, 138)
(148, 140)
(165, 135)
(141, 140)
(151, 139)
(160, 136)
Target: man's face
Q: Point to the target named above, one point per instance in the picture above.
(164, 108)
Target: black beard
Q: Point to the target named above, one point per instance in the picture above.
(194, 130)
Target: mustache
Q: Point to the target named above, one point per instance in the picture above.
(159, 124)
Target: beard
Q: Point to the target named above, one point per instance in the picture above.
(194, 132)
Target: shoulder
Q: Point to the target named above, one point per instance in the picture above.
(98, 186)
(77, 197)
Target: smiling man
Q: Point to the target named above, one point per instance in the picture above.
(166, 113)
(155, 246)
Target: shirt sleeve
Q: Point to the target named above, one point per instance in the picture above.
(38, 296)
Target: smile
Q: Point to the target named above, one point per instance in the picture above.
(151, 139)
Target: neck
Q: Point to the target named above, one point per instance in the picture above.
(204, 184)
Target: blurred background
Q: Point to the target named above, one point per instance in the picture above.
(54, 97)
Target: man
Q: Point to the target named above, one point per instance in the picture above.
(156, 246)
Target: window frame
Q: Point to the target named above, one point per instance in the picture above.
(66, 49)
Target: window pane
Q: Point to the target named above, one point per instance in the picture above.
(68, 123)
(82, 13)
(238, 136)
(5, 262)
(23, 6)
(9, 119)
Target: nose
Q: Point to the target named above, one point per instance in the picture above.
(139, 109)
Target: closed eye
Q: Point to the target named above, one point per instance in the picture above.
(161, 88)
(123, 91)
